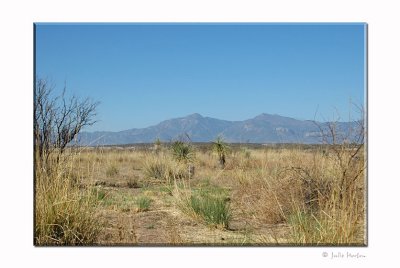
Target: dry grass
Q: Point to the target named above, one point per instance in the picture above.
(274, 196)
(64, 213)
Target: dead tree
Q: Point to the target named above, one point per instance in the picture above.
(57, 120)
(345, 147)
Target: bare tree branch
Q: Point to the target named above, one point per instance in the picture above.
(57, 120)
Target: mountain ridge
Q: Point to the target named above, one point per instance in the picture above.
(263, 128)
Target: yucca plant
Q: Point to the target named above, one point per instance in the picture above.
(182, 151)
(221, 148)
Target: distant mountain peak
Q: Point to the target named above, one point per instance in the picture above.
(195, 115)
(267, 116)
(262, 115)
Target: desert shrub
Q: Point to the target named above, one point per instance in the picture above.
(331, 209)
(314, 186)
(321, 197)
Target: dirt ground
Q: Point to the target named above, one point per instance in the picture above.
(165, 225)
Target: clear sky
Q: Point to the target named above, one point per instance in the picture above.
(146, 73)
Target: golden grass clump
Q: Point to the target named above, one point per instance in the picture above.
(164, 168)
(64, 213)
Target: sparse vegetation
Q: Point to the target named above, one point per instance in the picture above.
(304, 192)
(155, 172)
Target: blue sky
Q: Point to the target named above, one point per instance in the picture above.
(145, 73)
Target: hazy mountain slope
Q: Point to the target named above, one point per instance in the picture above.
(264, 128)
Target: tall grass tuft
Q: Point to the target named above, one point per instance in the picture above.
(155, 168)
(163, 168)
(64, 213)
(213, 209)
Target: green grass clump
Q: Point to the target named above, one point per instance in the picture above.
(214, 209)
(143, 203)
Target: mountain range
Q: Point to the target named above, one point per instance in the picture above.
(264, 128)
